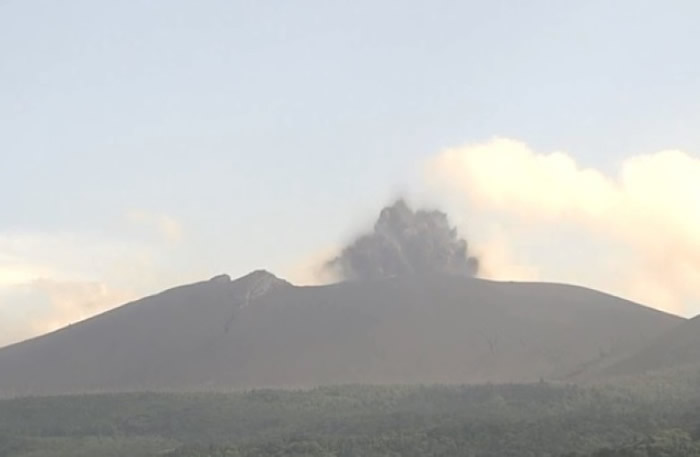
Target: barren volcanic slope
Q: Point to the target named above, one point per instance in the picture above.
(677, 348)
(260, 331)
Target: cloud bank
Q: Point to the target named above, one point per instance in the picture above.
(649, 208)
(50, 280)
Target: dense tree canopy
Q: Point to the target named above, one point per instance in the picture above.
(478, 421)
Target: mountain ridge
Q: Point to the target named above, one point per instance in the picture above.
(261, 331)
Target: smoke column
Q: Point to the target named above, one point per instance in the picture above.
(405, 242)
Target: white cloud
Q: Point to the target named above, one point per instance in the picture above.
(43, 305)
(498, 262)
(71, 301)
(650, 207)
(48, 280)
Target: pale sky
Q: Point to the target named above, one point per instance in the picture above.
(148, 143)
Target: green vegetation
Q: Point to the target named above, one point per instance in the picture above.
(477, 421)
(671, 443)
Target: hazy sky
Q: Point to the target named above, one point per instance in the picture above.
(148, 143)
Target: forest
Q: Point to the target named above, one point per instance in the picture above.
(541, 419)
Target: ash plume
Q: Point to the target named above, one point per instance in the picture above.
(405, 242)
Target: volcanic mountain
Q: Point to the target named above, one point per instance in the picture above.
(679, 348)
(261, 331)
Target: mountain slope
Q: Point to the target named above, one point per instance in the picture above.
(260, 331)
(676, 349)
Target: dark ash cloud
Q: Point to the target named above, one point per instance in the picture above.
(406, 242)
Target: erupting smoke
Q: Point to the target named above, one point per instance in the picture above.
(405, 242)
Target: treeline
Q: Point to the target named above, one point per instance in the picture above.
(484, 421)
(670, 443)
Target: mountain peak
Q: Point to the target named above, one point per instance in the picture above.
(258, 283)
(254, 277)
(222, 278)
(258, 277)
